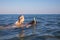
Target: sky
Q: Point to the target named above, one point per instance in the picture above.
(29, 6)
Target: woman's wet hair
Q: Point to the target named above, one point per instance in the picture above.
(19, 16)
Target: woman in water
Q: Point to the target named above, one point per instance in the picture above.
(20, 21)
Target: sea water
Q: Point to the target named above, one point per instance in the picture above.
(47, 27)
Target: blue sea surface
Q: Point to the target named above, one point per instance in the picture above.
(47, 27)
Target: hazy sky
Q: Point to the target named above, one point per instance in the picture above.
(29, 6)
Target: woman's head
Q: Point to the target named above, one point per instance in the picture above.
(21, 18)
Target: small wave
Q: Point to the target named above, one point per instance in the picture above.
(37, 37)
(8, 37)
